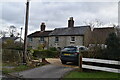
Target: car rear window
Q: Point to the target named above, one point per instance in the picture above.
(71, 49)
(82, 48)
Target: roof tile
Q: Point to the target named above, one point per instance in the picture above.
(40, 34)
(79, 30)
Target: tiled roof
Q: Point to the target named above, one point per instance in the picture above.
(40, 33)
(79, 30)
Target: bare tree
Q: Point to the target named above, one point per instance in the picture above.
(3, 33)
(94, 23)
(117, 30)
(12, 30)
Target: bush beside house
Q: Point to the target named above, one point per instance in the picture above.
(50, 53)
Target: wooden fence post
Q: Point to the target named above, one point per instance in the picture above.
(80, 62)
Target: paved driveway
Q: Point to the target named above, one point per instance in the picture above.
(48, 71)
(56, 61)
(53, 70)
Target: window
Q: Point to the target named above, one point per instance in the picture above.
(70, 49)
(41, 38)
(30, 39)
(72, 39)
(82, 48)
(56, 39)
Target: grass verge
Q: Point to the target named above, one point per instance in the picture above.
(89, 75)
(17, 68)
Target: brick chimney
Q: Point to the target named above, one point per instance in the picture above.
(43, 26)
(70, 22)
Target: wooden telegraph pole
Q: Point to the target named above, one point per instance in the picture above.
(21, 36)
(25, 35)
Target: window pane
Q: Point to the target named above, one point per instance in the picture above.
(73, 49)
(56, 39)
(30, 39)
(41, 38)
(72, 38)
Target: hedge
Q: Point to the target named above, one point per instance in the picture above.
(45, 53)
(9, 55)
(101, 54)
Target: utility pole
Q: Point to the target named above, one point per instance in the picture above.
(26, 30)
(21, 36)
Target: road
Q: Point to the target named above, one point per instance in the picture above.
(53, 70)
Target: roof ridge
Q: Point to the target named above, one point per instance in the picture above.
(72, 27)
(103, 27)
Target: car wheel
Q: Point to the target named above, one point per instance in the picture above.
(63, 62)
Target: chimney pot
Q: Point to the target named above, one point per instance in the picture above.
(71, 18)
(70, 22)
(43, 26)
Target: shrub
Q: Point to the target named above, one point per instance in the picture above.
(113, 47)
(90, 54)
(52, 49)
(45, 53)
(101, 54)
(10, 44)
(9, 55)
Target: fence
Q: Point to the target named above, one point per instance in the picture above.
(100, 64)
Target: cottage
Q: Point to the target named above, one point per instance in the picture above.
(39, 38)
(69, 36)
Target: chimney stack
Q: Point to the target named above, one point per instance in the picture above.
(43, 26)
(71, 22)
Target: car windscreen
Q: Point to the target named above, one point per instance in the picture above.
(70, 49)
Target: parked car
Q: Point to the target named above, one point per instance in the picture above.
(71, 53)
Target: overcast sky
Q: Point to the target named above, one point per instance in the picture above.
(56, 14)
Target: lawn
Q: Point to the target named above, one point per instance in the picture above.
(92, 75)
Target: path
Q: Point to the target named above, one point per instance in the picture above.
(47, 71)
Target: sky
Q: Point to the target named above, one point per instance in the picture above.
(56, 14)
